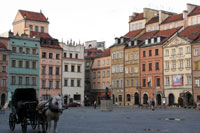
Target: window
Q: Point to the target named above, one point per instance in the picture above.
(131, 71)
(34, 51)
(79, 68)
(50, 84)
(127, 83)
(146, 41)
(4, 57)
(131, 82)
(21, 50)
(66, 68)
(20, 64)
(34, 64)
(196, 51)
(78, 82)
(197, 83)
(27, 50)
(65, 82)
(153, 28)
(20, 80)
(158, 82)
(72, 83)
(167, 80)
(165, 27)
(43, 54)
(3, 69)
(70, 55)
(113, 69)
(126, 70)
(104, 74)
(43, 84)
(126, 57)
(50, 70)
(121, 68)
(156, 52)
(136, 82)
(173, 51)
(98, 74)
(31, 27)
(13, 80)
(128, 97)
(136, 55)
(136, 69)
(196, 65)
(77, 97)
(188, 62)
(94, 75)
(103, 85)
(50, 55)
(33, 81)
(108, 61)
(3, 83)
(121, 83)
(94, 85)
(42, 29)
(180, 51)
(189, 80)
(27, 80)
(108, 84)
(57, 56)
(72, 68)
(57, 85)
(152, 40)
(13, 63)
(181, 64)
(43, 70)
(157, 66)
(14, 49)
(150, 66)
(150, 52)
(187, 50)
(65, 55)
(148, 29)
(98, 62)
(144, 53)
(108, 73)
(144, 82)
(198, 20)
(173, 64)
(170, 26)
(98, 85)
(27, 64)
(192, 21)
(57, 70)
(120, 98)
(36, 28)
(176, 25)
(167, 65)
(143, 67)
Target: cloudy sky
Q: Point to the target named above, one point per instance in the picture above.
(86, 20)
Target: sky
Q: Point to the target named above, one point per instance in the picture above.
(86, 20)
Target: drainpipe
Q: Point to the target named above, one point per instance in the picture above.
(124, 75)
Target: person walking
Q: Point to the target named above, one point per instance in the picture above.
(152, 104)
(95, 104)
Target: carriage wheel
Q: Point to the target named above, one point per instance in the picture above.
(33, 124)
(12, 121)
(24, 125)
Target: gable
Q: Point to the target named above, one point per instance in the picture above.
(176, 41)
(18, 17)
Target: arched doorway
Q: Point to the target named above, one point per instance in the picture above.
(3, 99)
(158, 99)
(171, 99)
(113, 97)
(189, 98)
(145, 99)
(137, 98)
(65, 99)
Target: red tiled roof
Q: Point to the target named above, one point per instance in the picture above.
(133, 33)
(147, 35)
(35, 16)
(138, 17)
(2, 45)
(105, 53)
(91, 55)
(50, 46)
(191, 32)
(195, 11)
(92, 50)
(153, 20)
(43, 35)
(173, 18)
(167, 33)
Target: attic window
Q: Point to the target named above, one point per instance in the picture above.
(135, 42)
(152, 40)
(116, 40)
(129, 43)
(146, 41)
(122, 40)
(158, 39)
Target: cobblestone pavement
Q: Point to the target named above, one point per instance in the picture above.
(120, 120)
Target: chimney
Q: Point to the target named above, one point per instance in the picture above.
(185, 14)
(132, 17)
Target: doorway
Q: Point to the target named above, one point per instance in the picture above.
(137, 98)
(171, 99)
(158, 99)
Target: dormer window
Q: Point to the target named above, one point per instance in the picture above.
(116, 40)
(158, 39)
(146, 41)
(135, 42)
(152, 40)
(129, 43)
(122, 40)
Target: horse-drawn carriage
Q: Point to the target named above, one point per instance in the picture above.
(23, 108)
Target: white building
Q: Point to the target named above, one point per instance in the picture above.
(95, 44)
(73, 73)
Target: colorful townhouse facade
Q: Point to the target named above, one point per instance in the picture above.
(4, 57)
(73, 73)
(24, 63)
(101, 75)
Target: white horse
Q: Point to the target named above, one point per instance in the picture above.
(48, 111)
(54, 111)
